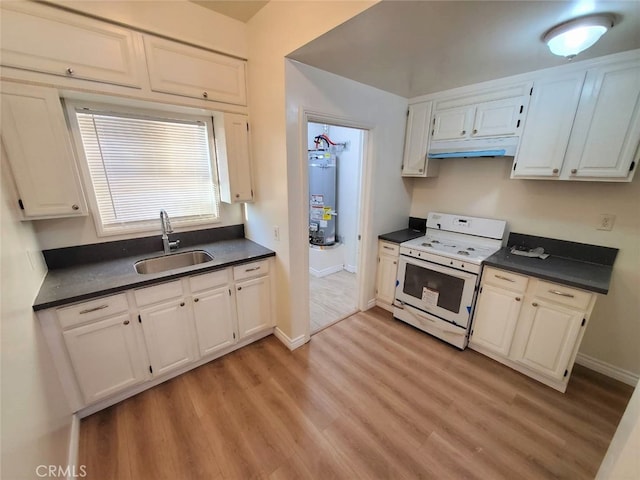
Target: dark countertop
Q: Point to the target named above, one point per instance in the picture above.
(400, 236)
(594, 277)
(82, 282)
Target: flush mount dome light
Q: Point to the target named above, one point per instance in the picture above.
(570, 38)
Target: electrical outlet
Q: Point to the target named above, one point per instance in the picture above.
(276, 233)
(606, 221)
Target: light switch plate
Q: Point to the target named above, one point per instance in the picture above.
(606, 221)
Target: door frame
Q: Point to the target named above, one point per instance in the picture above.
(366, 179)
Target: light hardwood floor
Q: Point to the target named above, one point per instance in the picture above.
(367, 398)
(332, 298)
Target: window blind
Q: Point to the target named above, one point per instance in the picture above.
(140, 165)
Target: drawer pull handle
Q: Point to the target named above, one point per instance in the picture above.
(562, 294)
(182, 304)
(517, 299)
(387, 247)
(126, 322)
(196, 299)
(534, 304)
(505, 278)
(94, 309)
(252, 269)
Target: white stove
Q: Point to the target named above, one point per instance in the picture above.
(438, 274)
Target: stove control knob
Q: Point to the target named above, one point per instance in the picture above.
(451, 263)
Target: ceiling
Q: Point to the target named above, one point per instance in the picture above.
(241, 10)
(412, 48)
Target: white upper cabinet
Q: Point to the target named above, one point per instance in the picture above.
(607, 127)
(415, 162)
(194, 72)
(552, 109)
(36, 139)
(583, 125)
(452, 124)
(234, 157)
(41, 39)
(497, 118)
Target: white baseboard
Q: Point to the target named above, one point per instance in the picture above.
(370, 304)
(607, 369)
(291, 344)
(350, 268)
(325, 271)
(74, 444)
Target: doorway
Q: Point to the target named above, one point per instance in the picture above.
(335, 158)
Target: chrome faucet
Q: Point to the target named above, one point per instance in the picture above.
(166, 230)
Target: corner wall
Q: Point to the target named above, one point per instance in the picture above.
(36, 420)
(564, 210)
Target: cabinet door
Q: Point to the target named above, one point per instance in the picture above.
(606, 132)
(497, 118)
(213, 313)
(547, 128)
(39, 151)
(194, 72)
(452, 124)
(386, 281)
(414, 161)
(234, 158)
(167, 335)
(48, 40)
(547, 335)
(253, 302)
(104, 357)
(496, 318)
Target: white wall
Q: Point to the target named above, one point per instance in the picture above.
(275, 31)
(35, 416)
(564, 210)
(324, 93)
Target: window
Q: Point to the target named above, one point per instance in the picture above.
(138, 164)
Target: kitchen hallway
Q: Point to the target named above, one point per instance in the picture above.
(332, 298)
(369, 397)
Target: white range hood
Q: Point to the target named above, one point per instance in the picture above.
(474, 147)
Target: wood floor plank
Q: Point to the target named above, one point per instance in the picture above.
(369, 397)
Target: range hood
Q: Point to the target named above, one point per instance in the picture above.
(473, 147)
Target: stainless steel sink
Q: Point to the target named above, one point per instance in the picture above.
(169, 262)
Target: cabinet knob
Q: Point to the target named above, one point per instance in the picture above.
(237, 195)
(182, 304)
(394, 263)
(463, 132)
(205, 94)
(574, 171)
(75, 207)
(239, 288)
(196, 299)
(517, 299)
(126, 322)
(534, 304)
(475, 131)
(420, 170)
(555, 170)
(70, 71)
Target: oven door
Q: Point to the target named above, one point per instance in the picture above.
(442, 291)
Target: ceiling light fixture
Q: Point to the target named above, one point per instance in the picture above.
(570, 38)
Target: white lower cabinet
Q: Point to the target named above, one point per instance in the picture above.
(167, 335)
(388, 254)
(105, 356)
(109, 348)
(531, 325)
(547, 336)
(496, 318)
(214, 314)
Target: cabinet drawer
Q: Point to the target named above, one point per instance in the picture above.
(386, 248)
(92, 310)
(564, 295)
(209, 280)
(508, 280)
(251, 270)
(158, 293)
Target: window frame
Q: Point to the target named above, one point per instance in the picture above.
(144, 226)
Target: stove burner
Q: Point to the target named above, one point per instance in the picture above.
(462, 252)
(425, 244)
(435, 241)
(471, 249)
